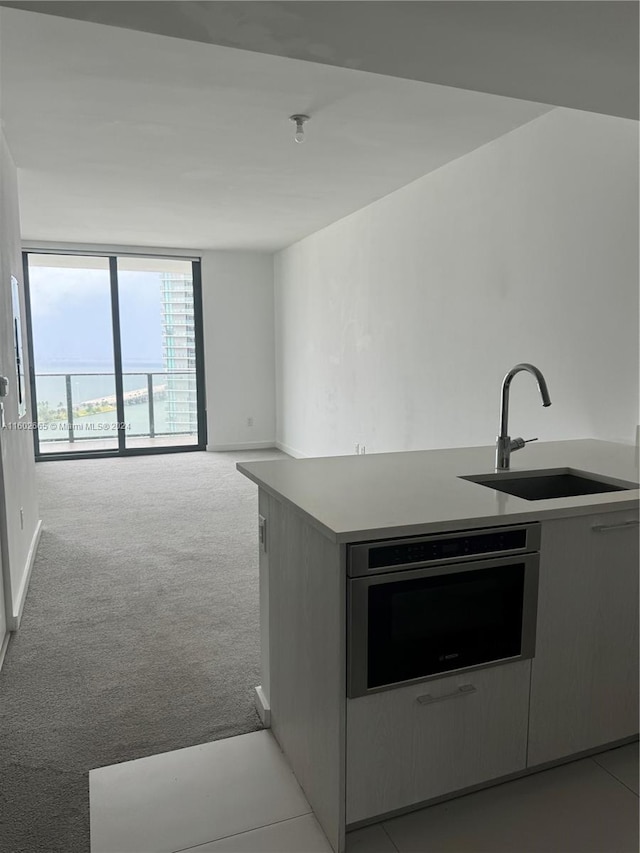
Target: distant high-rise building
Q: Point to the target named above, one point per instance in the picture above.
(179, 352)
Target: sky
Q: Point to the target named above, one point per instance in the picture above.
(71, 318)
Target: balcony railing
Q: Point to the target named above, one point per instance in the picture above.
(81, 406)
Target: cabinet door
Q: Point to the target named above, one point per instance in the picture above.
(584, 687)
(414, 743)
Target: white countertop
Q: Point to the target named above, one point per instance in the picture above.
(375, 496)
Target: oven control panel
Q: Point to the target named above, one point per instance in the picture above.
(416, 551)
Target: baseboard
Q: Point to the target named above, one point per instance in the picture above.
(22, 593)
(243, 445)
(258, 445)
(3, 648)
(291, 451)
(262, 707)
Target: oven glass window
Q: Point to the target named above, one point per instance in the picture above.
(439, 623)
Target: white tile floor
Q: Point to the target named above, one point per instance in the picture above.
(575, 808)
(192, 796)
(289, 836)
(239, 796)
(623, 763)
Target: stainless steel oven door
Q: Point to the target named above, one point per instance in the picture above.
(417, 625)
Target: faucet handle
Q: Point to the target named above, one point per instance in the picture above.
(519, 443)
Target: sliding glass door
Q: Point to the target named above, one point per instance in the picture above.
(116, 354)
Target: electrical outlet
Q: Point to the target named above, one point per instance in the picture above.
(249, 421)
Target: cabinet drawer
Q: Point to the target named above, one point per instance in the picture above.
(418, 742)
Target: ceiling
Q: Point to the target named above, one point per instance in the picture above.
(130, 138)
(581, 54)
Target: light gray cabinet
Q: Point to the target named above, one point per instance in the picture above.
(415, 743)
(584, 686)
(303, 595)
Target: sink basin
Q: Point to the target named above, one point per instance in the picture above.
(554, 483)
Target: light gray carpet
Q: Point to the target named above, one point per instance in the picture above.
(139, 635)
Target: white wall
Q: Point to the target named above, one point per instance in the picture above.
(395, 325)
(17, 467)
(237, 295)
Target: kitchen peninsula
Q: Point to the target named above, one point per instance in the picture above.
(353, 547)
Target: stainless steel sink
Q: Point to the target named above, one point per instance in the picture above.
(550, 483)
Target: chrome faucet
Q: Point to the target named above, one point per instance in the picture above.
(504, 444)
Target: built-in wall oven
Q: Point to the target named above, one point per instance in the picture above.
(427, 606)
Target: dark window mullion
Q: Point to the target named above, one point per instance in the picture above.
(32, 369)
(117, 351)
(196, 283)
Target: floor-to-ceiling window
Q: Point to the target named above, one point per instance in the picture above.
(116, 354)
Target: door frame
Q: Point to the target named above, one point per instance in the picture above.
(121, 450)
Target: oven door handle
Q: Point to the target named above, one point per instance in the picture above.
(463, 690)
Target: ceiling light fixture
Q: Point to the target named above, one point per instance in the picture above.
(299, 119)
